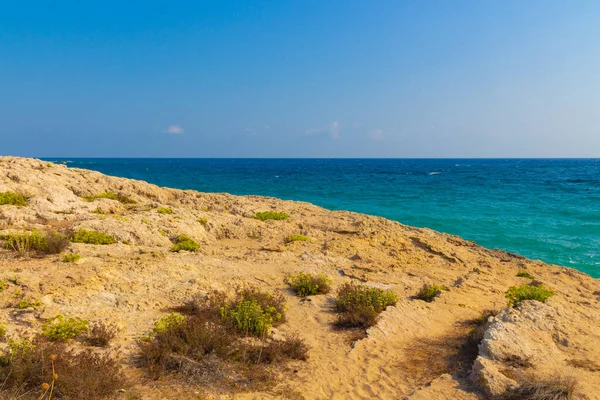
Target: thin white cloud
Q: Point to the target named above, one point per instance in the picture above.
(175, 130)
(376, 134)
(333, 130)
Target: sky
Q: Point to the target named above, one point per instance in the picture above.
(306, 78)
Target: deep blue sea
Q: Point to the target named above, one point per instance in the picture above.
(542, 209)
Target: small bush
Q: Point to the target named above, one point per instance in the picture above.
(360, 305)
(100, 334)
(56, 242)
(308, 284)
(2, 331)
(111, 196)
(171, 321)
(555, 388)
(30, 368)
(524, 274)
(26, 303)
(64, 329)
(516, 294)
(253, 312)
(71, 258)
(429, 292)
(297, 238)
(92, 237)
(184, 242)
(164, 210)
(275, 215)
(277, 350)
(25, 243)
(13, 199)
(203, 221)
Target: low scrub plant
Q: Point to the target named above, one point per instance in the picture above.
(275, 215)
(111, 196)
(516, 294)
(429, 292)
(92, 237)
(524, 274)
(360, 305)
(305, 284)
(64, 329)
(536, 388)
(210, 344)
(164, 210)
(203, 221)
(297, 238)
(184, 242)
(100, 334)
(36, 241)
(24, 304)
(71, 258)
(39, 369)
(13, 199)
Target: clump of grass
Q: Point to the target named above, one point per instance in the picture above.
(524, 274)
(184, 242)
(164, 210)
(297, 238)
(3, 285)
(429, 292)
(111, 196)
(535, 388)
(304, 284)
(92, 237)
(41, 369)
(36, 241)
(64, 329)
(2, 331)
(360, 305)
(275, 215)
(13, 199)
(203, 221)
(209, 345)
(71, 258)
(516, 294)
(29, 303)
(100, 334)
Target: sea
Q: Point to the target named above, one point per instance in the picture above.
(546, 209)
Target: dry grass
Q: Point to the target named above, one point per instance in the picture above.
(100, 334)
(533, 388)
(44, 370)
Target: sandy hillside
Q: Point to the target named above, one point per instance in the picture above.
(413, 351)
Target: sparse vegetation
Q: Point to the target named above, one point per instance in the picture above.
(111, 196)
(71, 258)
(100, 334)
(533, 388)
(36, 241)
(524, 274)
(184, 242)
(28, 303)
(360, 305)
(92, 237)
(164, 210)
(429, 292)
(297, 238)
(2, 331)
(13, 199)
(34, 369)
(275, 215)
(516, 294)
(203, 221)
(304, 284)
(64, 329)
(209, 344)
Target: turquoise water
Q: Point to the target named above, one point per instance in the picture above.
(541, 209)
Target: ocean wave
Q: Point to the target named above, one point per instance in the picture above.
(435, 173)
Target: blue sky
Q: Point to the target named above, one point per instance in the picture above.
(508, 78)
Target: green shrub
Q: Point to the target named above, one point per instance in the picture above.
(25, 243)
(266, 215)
(253, 312)
(2, 331)
(64, 329)
(297, 238)
(2, 285)
(171, 321)
(92, 237)
(203, 221)
(25, 303)
(71, 258)
(524, 274)
(516, 294)
(11, 198)
(308, 284)
(184, 242)
(111, 196)
(164, 210)
(429, 292)
(360, 305)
